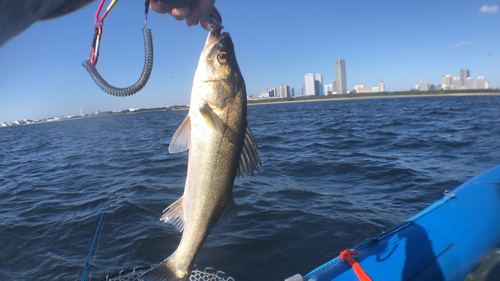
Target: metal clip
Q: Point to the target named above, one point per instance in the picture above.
(96, 44)
(451, 195)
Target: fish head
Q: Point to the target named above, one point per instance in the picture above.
(218, 77)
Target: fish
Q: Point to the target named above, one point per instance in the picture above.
(221, 146)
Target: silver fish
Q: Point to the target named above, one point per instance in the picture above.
(221, 146)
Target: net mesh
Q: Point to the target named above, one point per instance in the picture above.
(208, 274)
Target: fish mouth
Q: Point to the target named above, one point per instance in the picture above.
(212, 43)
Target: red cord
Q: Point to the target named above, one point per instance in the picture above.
(347, 256)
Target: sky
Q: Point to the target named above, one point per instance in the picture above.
(276, 42)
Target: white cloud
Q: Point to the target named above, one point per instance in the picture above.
(488, 9)
(454, 46)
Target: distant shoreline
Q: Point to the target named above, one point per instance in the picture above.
(283, 100)
(353, 96)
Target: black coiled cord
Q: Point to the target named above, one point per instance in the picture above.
(143, 80)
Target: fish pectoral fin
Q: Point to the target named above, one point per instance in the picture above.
(181, 140)
(230, 210)
(249, 159)
(174, 215)
(212, 120)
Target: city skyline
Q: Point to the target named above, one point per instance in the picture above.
(461, 82)
(398, 42)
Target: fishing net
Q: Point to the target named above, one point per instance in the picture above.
(208, 274)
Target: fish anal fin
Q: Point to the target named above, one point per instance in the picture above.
(174, 215)
(230, 210)
(181, 140)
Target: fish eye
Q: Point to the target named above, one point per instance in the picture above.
(223, 57)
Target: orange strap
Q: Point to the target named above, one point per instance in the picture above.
(347, 256)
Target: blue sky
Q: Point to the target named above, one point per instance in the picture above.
(277, 42)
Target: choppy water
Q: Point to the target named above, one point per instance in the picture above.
(334, 173)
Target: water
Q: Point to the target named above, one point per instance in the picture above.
(333, 174)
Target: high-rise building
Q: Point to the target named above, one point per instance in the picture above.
(423, 86)
(334, 87)
(382, 86)
(303, 90)
(464, 74)
(310, 85)
(481, 83)
(82, 112)
(318, 84)
(285, 91)
(340, 76)
(447, 82)
(469, 83)
(455, 85)
(292, 92)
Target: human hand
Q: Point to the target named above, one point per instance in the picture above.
(198, 10)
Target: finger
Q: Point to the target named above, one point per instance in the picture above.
(160, 7)
(202, 9)
(180, 13)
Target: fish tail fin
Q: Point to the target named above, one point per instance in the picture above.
(164, 272)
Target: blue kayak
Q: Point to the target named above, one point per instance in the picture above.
(443, 242)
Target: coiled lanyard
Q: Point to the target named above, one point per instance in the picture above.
(91, 62)
(210, 22)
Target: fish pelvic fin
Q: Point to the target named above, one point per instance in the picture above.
(181, 140)
(165, 272)
(249, 159)
(230, 210)
(174, 215)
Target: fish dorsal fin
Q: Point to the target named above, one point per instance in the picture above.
(249, 159)
(230, 210)
(181, 140)
(174, 215)
(212, 120)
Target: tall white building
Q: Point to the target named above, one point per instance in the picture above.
(455, 85)
(447, 82)
(481, 83)
(382, 86)
(469, 83)
(318, 81)
(82, 112)
(423, 86)
(285, 91)
(340, 75)
(310, 85)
